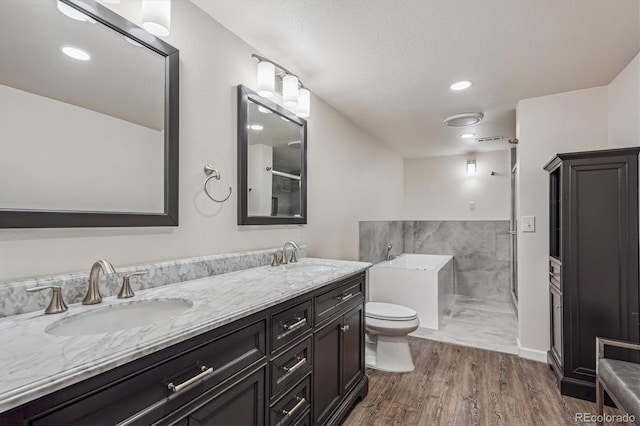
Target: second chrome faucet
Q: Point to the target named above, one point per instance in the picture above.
(93, 291)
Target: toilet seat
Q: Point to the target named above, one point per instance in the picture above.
(389, 312)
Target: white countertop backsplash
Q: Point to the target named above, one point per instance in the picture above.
(34, 363)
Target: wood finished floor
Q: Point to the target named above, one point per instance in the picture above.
(458, 385)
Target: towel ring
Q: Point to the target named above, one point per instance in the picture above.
(213, 174)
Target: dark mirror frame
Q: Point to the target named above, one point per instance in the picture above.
(245, 95)
(11, 218)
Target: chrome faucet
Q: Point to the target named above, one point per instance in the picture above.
(93, 291)
(293, 258)
(389, 255)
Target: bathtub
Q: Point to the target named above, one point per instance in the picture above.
(422, 282)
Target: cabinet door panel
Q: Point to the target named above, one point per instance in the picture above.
(327, 386)
(353, 353)
(242, 404)
(556, 323)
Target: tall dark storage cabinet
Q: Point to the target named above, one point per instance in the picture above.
(593, 262)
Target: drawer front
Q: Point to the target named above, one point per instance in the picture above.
(288, 325)
(209, 365)
(289, 409)
(555, 276)
(330, 302)
(304, 420)
(290, 366)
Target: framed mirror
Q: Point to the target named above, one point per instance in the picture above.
(272, 162)
(88, 118)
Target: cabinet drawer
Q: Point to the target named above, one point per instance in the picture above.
(333, 300)
(288, 410)
(289, 324)
(555, 275)
(128, 400)
(289, 367)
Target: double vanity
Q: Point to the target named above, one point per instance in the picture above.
(278, 345)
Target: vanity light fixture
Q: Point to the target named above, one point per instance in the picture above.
(460, 85)
(467, 135)
(73, 13)
(156, 17)
(295, 96)
(256, 127)
(471, 168)
(75, 53)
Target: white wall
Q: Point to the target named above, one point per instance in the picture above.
(624, 107)
(351, 176)
(565, 122)
(438, 188)
(52, 162)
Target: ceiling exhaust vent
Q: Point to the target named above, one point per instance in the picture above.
(464, 119)
(490, 139)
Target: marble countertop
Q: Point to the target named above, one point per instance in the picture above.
(34, 363)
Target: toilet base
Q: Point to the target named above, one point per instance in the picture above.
(389, 353)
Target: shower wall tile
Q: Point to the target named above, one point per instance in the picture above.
(374, 238)
(480, 250)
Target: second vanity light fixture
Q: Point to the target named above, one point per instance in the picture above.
(294, 95)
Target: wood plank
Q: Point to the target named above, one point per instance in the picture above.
(459, 385)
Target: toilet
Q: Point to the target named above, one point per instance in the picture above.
(387, 327)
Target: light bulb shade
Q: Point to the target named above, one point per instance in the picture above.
(290, 91)
(156, 17)
(471, 168)
(304, 103)
(266, 79)
(73, 13)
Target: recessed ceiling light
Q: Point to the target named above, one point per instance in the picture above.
(75, 53)
(264, 110)
(73, 13)
(460, 85)
(256, 127)
(467, 135)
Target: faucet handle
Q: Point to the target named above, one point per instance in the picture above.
(56, 305)
(293, 258)
(275, 261)
(125, 291)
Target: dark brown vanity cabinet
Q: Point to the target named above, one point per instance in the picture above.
(265, 369)
(593, 263)
(339, 355)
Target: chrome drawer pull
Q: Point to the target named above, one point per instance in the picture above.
(290, 413)
(297, 365)
(344, 297)
(295, 325)
(177, 388)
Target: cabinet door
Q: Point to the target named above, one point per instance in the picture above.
(555, 309)
(327, 369)
(353, 348)
(242, 404)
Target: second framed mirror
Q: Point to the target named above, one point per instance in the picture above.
(272, 162)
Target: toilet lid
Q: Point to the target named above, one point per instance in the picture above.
(389, 311)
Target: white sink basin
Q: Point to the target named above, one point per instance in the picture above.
(118, 317)
(308, 267)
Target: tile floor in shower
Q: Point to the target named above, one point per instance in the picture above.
(479, 323)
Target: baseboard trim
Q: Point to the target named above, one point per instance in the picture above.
(532, 354)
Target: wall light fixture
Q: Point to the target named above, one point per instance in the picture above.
(294, 95)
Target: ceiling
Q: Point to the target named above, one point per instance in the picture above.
(387, 65)
(121, 80)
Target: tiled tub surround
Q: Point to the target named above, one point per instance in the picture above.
(376, 235)
(35, 363)
(15, 300)
(480, 250)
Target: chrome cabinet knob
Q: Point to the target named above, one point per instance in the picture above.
(56, 305)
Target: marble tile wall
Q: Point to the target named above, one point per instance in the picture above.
(15, 300)
(374, 238)
(480, 250)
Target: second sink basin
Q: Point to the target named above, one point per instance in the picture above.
(119, 317)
